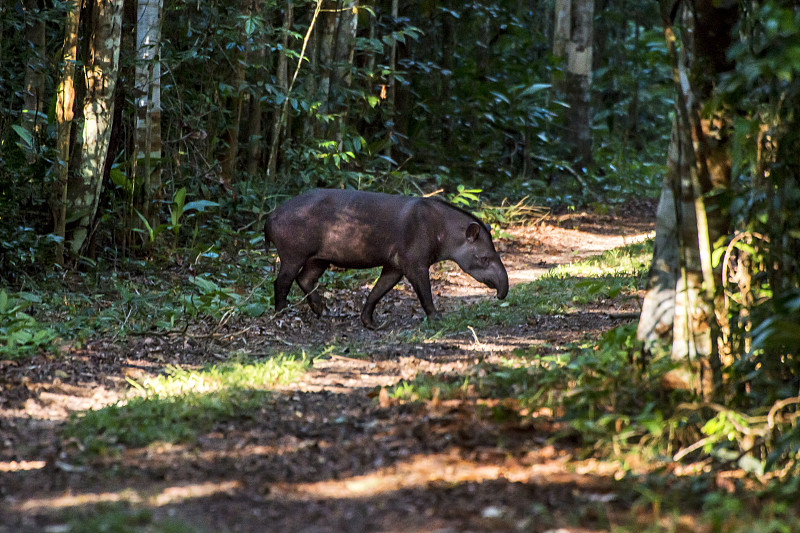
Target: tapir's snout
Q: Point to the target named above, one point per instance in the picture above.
(500, 282)
(502, 290)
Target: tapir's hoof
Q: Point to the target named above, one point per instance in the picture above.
(369, 323)
(316, 307)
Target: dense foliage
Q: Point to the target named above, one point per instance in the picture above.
(466, 100)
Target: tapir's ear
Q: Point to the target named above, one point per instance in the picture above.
(473, 230)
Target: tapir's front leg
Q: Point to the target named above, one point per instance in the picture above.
(421, 281)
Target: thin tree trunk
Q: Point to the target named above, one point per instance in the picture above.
(446, 74)
(34, 113)
(324, 63)
(64, 115)
(101, 69)
(347, 27)
(391, 99)
(578, 82)
(282, 76)
(257, 56)
(562, 27)
(231, 135)
(147, 148)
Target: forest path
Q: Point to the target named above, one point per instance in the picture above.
(332, 451)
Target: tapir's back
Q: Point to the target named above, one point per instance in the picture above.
(352, 229)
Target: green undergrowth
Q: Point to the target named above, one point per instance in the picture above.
(604, 397)
(614, 402)
(181, 403)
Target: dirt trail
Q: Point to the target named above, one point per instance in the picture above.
(330, 452)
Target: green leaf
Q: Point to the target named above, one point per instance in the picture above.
(535, 88)
(199, 205)
(119, 179)
(250, 26)
(25, 135)
(180, 198)
(146, 225)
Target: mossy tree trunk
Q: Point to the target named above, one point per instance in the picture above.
(682, 277)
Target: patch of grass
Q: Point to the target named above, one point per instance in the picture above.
(118, 518)
(177, 406)
(427, 387)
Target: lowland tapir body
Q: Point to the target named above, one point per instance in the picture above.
(356, 229)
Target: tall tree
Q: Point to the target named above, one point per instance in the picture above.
(101, 67)
(699, 162)
(234, 101)
(282, 79)
(64, 115)
(578, 81)
(147, 140)
(34, 113)
(344, 48)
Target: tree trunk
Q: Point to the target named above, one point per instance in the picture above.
(101, 67)
(347, 27)
(578, 82)
(34, 112)
(257, 56)
(699, 161)
(231, 135)
(563, 25)
(282, 78)
(658, 308)
(391, 99)
(64, 115)
(446, 75)
(147, 147)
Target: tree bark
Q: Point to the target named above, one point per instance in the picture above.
(101, 67)
(34, 112)
(147, 149)
(391, 99)
(562, 27)
(282, 78)
(578, 82)
(231, 135)
(347, 27)
(64, 115)
(257, 56)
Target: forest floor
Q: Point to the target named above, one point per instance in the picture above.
(330, 451)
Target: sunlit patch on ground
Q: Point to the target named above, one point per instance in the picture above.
(166, 496)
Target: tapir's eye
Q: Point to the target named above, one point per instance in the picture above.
(483, 260)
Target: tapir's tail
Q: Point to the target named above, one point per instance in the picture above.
(267, 233)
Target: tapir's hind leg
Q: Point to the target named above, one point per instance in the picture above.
(283, 281)
(388, 279)
(307, 279)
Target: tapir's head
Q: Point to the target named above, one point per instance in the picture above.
(475, 254)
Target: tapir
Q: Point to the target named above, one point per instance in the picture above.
(356, 229)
